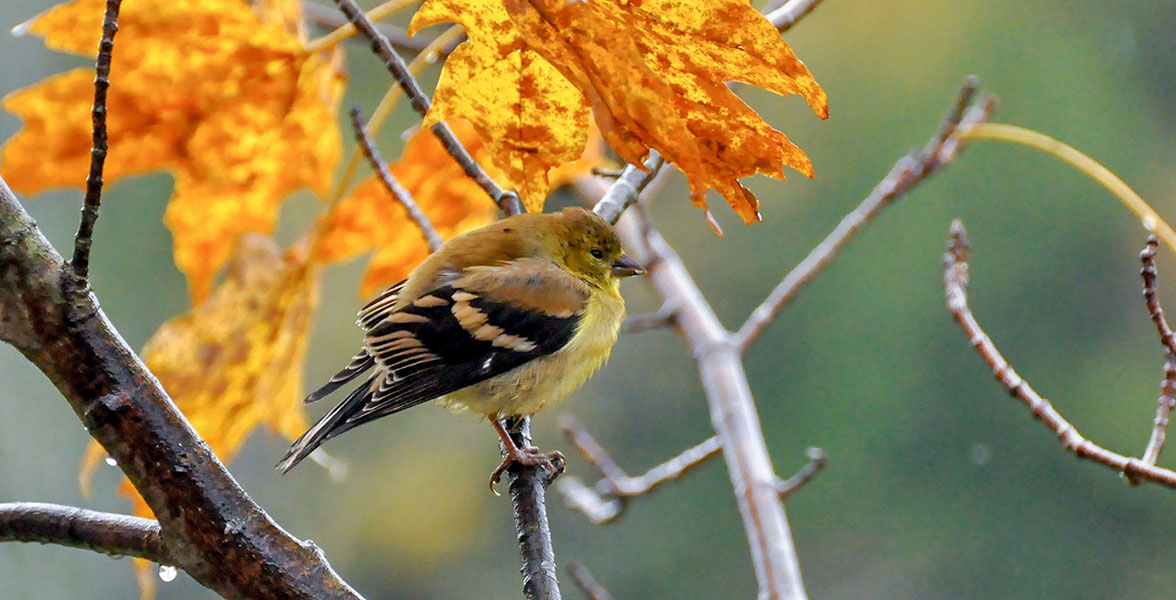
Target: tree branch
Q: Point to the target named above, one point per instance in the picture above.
(80, 272)
(106, 533)
(527, 490)
(606, 500)
(328, 17)
(904, 175)
(1167, 400)
(955, 284)
(587, 584)
(397, 191)
(507, 201)
(624, 191)
(817, 461)
(788, 13)
(210, 528)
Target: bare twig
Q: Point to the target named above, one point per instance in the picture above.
(606, 500)
(527, 487)
(627, 187)
(1167, 400)
(106, 533)
(397, 191)
(784, 15)
(587, 584)
(955, 281)
(80, 271)
(1148, 272)
(817, 461)
(662, 317)
(906, 173)
(507, 201)
(326, 16)
(209, 525)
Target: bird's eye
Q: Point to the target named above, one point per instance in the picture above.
(597, 254)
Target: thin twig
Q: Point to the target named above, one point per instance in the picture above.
(586, 583)
(627, 187)
(606, 499)
(1148, 272)
(955, 282)
(325, 16)
(80, 264)
(662, 317)
(397, 191)
(817, 461)
(106, 533)
(906, 173)
(507, 201)
(527, 490)
(788, 14)
(1167, 399)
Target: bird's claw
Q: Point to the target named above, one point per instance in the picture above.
(553, 462)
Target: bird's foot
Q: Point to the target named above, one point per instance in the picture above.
(552, 462)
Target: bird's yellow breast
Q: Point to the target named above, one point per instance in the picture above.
(548, 379)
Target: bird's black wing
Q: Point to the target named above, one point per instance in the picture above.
(482, 324)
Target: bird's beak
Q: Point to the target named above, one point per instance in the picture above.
(625, 266)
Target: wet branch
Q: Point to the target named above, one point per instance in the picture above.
(397, 191)
(527, 490)
(507, 201)
(904, 175)
(955, 283)
(605, 500)
(106, 533)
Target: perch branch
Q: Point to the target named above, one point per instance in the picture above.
(1164, 405)
(209, 526)
(78, 283)
(397, 191)
(587, 583)
(904, 175)
(527, 490)
(106, 533)
(817, 461)
(507, 201)
(955, 283)
(784, 15)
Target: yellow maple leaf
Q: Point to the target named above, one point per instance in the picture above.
(654, 74)
(228, 101)
(234, 362)
(370, 218)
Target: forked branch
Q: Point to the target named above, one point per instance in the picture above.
(955, 283)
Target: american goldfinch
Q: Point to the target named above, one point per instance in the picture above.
(499, 322)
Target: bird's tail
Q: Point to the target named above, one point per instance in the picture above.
(360, 363)
(328, 426)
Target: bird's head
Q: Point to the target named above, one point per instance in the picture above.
(592, 249)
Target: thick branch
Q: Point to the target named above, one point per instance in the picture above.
(904, 175)
(397, 191)
(106, 533)
(527, 490)
(211, 529)
(93, 198)
(507, 201)
(955, 284)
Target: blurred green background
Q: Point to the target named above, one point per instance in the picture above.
(939, 485)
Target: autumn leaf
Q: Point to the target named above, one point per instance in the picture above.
(369, 218)
(228, 101)
(234, 362)
(654, 74)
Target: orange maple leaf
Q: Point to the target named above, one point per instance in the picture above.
(228, 101)
(654, 74)
(234, 362)
(370, 218)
